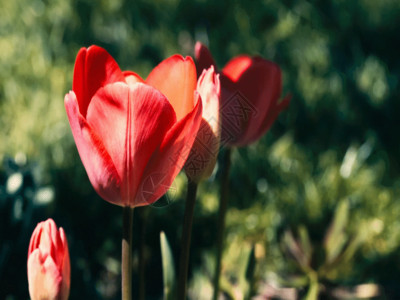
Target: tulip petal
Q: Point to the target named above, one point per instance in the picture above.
(204, 59)
(35, 239)
(169, 159)
(209, 88)
(98, 163)
(132, 122)
(43, 276)
(257, 79)
(94, 68)
(66, 265)
(268, 121)
(257, 82)
(131, 77)
(175, 77)
(50, 242)
(236, 67)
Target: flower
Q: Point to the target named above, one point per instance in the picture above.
(48, 263)
(250, 92)
(133, 136)
(204, 152)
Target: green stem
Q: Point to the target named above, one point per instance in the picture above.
(221, 218)
(126, 262)
(313, 289)
(143, 212)
(185, 242)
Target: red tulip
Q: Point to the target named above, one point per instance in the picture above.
(250, 92)
(133, 136)
(204, 152)
(48, 263)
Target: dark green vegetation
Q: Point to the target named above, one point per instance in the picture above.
(330, 161)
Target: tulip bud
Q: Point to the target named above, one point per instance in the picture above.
(48, 263)
(204, 152)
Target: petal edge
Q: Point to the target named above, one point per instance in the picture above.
(98, 163)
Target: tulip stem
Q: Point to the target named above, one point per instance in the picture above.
(186, 235)
(221, 217)
(126, 262)
(143, 213)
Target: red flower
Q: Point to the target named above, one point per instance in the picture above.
(48, 263)
(133, 136)
(250, 91)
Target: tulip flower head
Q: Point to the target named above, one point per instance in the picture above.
(204, 152)
(132, 135)
(48, 263)
(250, 91)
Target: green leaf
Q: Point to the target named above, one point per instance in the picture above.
(227, 287)
(250, 270)
(294, 249)
(336, 238)
(355, 243)
(168, 267)
(305, 243)
(251, 264)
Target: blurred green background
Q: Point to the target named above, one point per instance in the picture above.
(317, 198)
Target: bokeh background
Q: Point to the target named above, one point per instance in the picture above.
(316, 199)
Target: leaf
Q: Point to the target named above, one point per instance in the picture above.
(250, 270)
(305, 243)
(227, 287)
(251, 264)
(335, 238)
(168, 267)
(355, 243)
(294, 249)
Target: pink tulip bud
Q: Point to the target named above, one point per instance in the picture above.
(204, 152)
(48, 263)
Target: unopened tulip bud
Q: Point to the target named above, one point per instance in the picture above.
(48, 263)
(204, 152)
